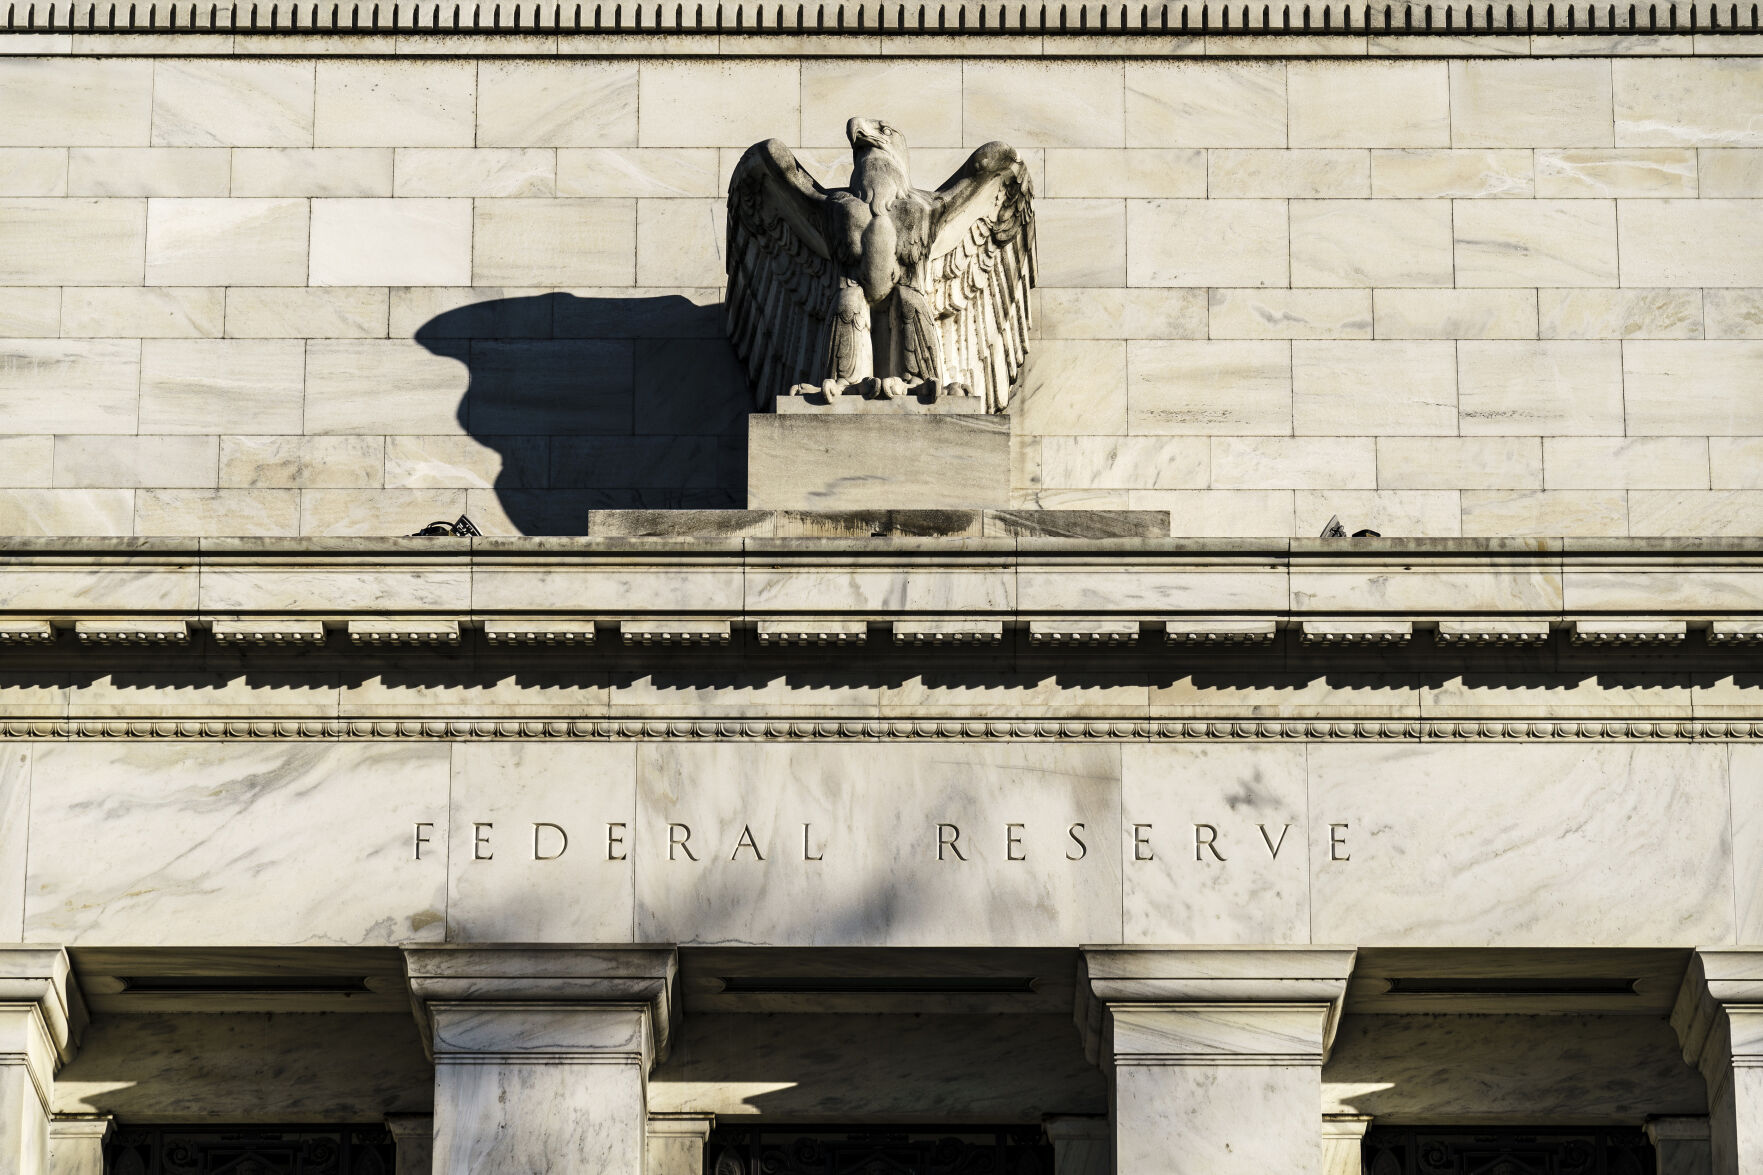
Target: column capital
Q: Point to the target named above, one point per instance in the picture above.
(1677, 1128)
(682, 1124)
(42, 977)
(540, 977)
(1719, 1012)
(1121, 990)
(1077, 1127)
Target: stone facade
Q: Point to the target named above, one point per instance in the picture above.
(1433, 286)
(895, 788)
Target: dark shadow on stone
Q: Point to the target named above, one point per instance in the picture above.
(599, 404)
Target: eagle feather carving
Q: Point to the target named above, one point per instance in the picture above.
(880, 289)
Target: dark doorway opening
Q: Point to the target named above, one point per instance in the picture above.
(1443, 1150)
(878, 1150)
(260, 1150)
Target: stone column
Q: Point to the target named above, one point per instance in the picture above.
(676, 1143)
(1214, 1054)
(1081, 1145)
(1681, 1145)
(1343, 1143)
(413, 1143)
(41, 1018)
(1719, 1021)
(542, 1054)
(76, 1144)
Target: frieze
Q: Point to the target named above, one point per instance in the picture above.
(943, 842)
(1247, 729)
(762, 18)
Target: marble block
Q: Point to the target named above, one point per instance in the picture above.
(1216, 1054)
(192, 844)
(844, 461)
(889, 845)
(41, 1019)
(1533, 845)
(542, 1055)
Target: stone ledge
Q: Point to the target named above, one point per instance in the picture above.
(1243, 727)
(877, 18)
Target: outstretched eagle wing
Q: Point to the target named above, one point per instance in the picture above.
(982, 266)
(781, 282)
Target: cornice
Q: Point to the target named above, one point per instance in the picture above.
(1240, 729)
(1172, 24)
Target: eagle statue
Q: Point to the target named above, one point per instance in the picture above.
(880, 289)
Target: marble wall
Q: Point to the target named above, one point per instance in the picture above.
(1468, 295)
(863, 844)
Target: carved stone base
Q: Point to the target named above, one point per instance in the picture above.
(891, 459)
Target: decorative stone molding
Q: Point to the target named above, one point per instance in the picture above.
(1493, 632)
(948, 632)
(676, 1143)
(42, 1017)
(645, 977)
(1089, 633)
(26, 632)
(1121, 983)
(1735, 632)
(413, 1143)
(1682, 1144)
(1082, 1144)
(1343, 1143)
(539, 632)
(760, 18)
(268, 632)
(1221, 631)
(1718, 1018)
(1247, 728)
(531, 1042)
(132, 632)
(809, 631)
(76, 1143)
(675, 632)
(1356, 632)
(404, 632)
(1632, 631)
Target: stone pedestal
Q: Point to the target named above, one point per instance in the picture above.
(413, 1143)
(1343, 1143)
(1081, 1145)
(1215, 1055)
(76, 1144)
(676, 1143)
(1681, 1145)
(41, 1018)
(542, 1055)
(879, 459)
(1719, 1021)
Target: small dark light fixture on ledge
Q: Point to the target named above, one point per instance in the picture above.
(463, 528)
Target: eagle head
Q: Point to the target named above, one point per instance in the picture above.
(873, 132)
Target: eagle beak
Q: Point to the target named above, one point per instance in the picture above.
(858, 130)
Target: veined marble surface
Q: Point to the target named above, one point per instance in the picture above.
(243, 843)
(1484, 845)
(822, 843)
(539, 842)
(1509, 1069)
(15, 798)
(876, 815)
(248, 1067)
(1214, 844)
